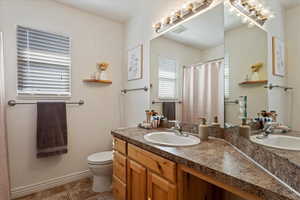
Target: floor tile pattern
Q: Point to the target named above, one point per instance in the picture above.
(78, 190)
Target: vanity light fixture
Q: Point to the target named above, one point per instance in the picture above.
(253, 12)
(188, 9)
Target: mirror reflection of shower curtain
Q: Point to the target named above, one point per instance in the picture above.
(203, 92)
(4, 180)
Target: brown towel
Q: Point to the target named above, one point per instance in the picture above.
(52, 138)
(169, 110)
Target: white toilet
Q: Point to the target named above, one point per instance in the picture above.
(100, 165)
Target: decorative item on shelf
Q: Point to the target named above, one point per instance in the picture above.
(255, 71)
(135, 63)
(100, 76)
(278, 57)
(102, 67)
(187, 10)
(253, 12)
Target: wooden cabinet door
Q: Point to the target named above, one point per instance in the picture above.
(119, 189)
(159, 188)
(136, 181)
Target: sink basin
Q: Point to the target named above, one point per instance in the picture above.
(279, 142)
(171, 139)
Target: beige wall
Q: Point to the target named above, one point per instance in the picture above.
(184, 56)
(254, 49)
(293, 63)
(4, 179)
(277, 98)
(94, 39)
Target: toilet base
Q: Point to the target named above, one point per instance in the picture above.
(102, 183)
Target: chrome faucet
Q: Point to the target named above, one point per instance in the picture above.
(177, 129)
(268, 129)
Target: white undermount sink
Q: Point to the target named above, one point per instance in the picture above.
(278, 142)
(171, 139)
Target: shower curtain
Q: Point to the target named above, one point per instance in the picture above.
(4, 180)
(203, 92)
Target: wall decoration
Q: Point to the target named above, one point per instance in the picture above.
(135, 63)
(278, 57)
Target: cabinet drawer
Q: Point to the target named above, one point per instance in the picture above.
(119, 189)
(157, 164)
(120, 146)
(119, 166)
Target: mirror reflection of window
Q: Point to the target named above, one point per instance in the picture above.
(167, 87)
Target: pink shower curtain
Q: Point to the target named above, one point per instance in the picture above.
(203, 92)
(4, 180)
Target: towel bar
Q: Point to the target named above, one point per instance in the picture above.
(155, 102)
(13, 102)
(129, 90)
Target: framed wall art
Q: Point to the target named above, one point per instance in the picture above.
(135, 63)
(279, 68)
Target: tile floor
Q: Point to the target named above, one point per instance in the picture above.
(78, 190)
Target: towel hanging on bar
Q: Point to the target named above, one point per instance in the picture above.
(52, 138)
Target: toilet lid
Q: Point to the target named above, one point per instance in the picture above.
(105, 157)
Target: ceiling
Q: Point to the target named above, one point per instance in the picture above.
(202, 32)
(117, 10)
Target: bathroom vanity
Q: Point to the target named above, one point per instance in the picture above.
(210, 170)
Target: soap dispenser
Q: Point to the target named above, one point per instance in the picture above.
(203, 130)
(245, 130)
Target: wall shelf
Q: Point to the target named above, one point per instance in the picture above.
(254, 82)
(97, 81)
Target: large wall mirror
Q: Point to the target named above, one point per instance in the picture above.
(246, 58)
(218, 65)
(187, 69)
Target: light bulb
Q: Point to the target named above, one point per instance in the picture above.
(245, 20)
(271, 16)
(265, 11)
(251, 24)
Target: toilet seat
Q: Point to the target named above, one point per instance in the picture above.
(101, 158)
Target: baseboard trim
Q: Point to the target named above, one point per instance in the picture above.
(37, 187)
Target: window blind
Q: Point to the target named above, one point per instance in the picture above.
(227, 87)
(44, 63)
(167, 79)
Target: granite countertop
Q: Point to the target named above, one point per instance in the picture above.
(218, 159)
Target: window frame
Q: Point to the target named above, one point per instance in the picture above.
(176, 79)
(51, 96)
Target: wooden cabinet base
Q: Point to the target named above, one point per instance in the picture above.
(160, 189)
(193, 185)
(136, 181)
(119, 189)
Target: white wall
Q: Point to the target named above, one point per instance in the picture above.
(212, 53)
(94, 39)
(293, 62)
(254, 49)
(139, 31)
(184, 56)
(277, 98)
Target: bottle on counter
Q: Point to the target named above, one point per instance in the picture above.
(245, 129)
(216, 123)
(203, 130)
